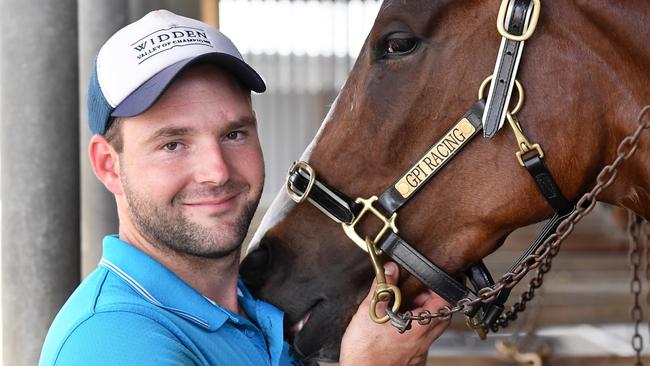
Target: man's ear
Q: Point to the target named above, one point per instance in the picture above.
(105, 163)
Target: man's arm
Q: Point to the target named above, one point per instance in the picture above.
(368, 343)
(118, 339)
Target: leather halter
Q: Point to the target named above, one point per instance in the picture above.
(302, 184)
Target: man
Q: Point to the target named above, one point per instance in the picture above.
(175, 140)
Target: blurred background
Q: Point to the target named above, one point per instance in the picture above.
(55, 213)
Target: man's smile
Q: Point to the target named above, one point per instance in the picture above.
(220, 204)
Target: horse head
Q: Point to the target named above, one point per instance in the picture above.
(585, 76)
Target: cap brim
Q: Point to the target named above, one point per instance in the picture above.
(148, 93)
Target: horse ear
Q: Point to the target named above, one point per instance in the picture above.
(105, 163)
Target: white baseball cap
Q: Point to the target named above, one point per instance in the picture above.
(137, 64)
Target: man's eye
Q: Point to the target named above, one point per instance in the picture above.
(171, 146)
(234, 135)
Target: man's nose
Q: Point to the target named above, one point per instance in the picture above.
(212, 166)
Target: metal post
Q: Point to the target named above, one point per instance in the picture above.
(210, 12)
(98, 20)
(138, 8)
(40, 169)
(188, 8)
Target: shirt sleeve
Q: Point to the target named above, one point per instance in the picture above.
(122, 338)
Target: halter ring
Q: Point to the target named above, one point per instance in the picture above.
(520, 90)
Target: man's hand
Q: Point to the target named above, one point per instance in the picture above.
(368, 343)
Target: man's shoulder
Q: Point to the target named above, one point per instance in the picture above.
(101, 291)
(117, 337)
(104, 313)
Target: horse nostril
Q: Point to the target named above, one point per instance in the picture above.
(256, 266)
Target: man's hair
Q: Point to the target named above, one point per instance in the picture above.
(114, 134)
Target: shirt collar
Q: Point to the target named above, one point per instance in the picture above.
(161, 287)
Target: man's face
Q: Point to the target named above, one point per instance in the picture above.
(191, 167)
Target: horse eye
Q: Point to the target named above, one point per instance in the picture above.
(398, 44)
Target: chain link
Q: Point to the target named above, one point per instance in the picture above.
(646, 249)
(543, 256)
(635, 226)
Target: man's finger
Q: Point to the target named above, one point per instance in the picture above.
(392, 272)
(428, 298)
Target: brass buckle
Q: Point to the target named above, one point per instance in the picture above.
(389, 223)
(522, 142)
(521, 152)
(312, 178)
(501, 18)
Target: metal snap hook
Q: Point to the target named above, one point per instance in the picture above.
(384, 292)
(387, 292)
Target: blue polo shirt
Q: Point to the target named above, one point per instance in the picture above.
(133, 311)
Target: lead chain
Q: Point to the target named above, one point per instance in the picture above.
(646, 248)
(543, 256)
(626, 148)
(635, 236)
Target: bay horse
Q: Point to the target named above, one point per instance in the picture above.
(586, 75)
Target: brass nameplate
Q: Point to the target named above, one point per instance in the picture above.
(435, 157)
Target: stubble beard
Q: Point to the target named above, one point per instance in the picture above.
(168, 227)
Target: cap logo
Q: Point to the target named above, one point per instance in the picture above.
(165, 39)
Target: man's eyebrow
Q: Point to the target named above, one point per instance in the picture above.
(167, 132)
(242, 122)
(181, 131)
